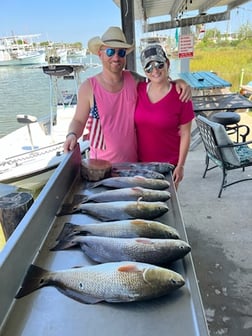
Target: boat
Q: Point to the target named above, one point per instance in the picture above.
(74, 52)
(31, 153)
(20, 50)
(56, 53)
(155, 39)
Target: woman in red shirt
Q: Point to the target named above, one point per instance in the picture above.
(163, 121)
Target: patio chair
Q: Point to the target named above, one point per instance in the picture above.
(222, 151)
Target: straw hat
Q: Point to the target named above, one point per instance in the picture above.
(113, 37)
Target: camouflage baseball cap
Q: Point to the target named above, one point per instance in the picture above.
(153, 52)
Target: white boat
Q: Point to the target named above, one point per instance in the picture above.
(20, 50)
(30, 153)
(72, 53)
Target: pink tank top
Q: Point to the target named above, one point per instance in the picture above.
(116, 112)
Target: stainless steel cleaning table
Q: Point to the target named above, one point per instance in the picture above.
(48, 312)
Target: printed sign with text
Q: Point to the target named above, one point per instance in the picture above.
(185, 46)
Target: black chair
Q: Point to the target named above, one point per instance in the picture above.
(231, 122)
(224, 153)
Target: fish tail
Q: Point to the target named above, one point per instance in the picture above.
(78, 199)
(91, 185)
(68, 208)
(68, 230)
(64, 244)
(33, 280)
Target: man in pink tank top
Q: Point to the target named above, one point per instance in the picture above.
(106, 102)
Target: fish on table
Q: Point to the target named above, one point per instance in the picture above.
(124, 194)
(147, 250)
(137, 172)
(131, 181)
(124, 229)
(160, 167)
(120, 210)
(110, 282)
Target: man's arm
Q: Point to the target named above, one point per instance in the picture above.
(80, 117)
(184, 90)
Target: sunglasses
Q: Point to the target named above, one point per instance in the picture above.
(111, 52)
(157, 65)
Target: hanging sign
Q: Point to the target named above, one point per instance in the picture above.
(185, 46)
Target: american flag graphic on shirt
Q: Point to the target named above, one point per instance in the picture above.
(93, 125)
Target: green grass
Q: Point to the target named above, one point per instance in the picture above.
(228, 63)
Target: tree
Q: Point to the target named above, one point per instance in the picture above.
(212, 35)
(245, 32)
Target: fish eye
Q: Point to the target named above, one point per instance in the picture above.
(173, 281)
(81, 285)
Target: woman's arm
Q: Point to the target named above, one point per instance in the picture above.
(185, 137)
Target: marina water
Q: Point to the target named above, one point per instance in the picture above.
(26, 90)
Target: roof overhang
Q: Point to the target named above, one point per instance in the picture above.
(180, 13)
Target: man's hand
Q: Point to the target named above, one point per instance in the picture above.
(184, 90)
(70, 142)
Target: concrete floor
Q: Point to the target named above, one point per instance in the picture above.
(219, 231)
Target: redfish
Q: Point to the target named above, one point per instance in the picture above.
(109, 211)
(123, 229)
(110, 282)
(125, 194)
(107, 249)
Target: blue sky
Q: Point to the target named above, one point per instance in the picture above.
(79, 20)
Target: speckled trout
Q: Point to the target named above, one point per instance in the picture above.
(109, 211)
(107, 249)
(110, 282)
(131, 181)
(137, 172)
(130, 228)
(161, 167)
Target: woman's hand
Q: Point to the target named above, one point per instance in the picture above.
(178, 174)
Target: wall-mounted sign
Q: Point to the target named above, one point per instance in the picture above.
(185, 46)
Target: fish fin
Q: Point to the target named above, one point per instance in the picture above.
(97, 258)
(128, 268)
(77, 266)
(102, 218)
(140, 177)
(68, 230)
(144, 240)
(68, 208)
(33, 280)
(65, 244)
(137, 188)
(80, 297)
(92, 254)
(139, 221)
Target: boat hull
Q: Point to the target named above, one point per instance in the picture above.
(37, 58)
(36, 148)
